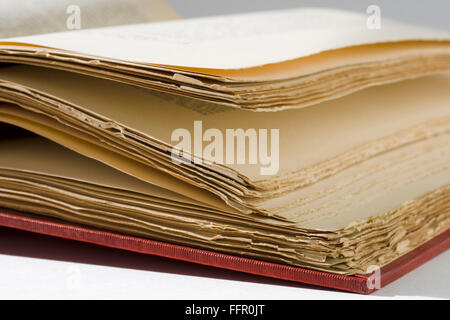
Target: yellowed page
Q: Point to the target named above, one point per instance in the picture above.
(35, 154)
(232, 42)
(307, 136)
(41, 126)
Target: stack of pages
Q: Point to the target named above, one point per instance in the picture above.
(156, 130)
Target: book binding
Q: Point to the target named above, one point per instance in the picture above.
(363, 284)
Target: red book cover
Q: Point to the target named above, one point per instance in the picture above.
(363, 284)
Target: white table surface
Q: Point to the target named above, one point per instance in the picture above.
(41, 267)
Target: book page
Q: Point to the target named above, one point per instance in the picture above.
(307, 135)
(66, 137)
(232, 42)
(33, 154)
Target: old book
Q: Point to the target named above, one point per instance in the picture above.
(260, 61)
(342, 186)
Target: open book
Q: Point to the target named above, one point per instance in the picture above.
(145, 130)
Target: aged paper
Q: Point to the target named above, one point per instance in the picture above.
(233, 42)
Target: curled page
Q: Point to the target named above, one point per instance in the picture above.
(266, 61)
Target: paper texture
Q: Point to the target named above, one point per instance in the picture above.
(318, 146)
(90, 193)
(241, 41)
(260, 62)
